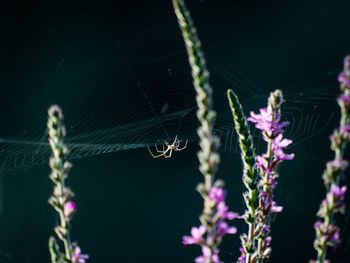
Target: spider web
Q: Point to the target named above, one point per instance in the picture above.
(135, 95)
(137, 92)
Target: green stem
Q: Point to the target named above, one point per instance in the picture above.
(208, 157)
(250, 175)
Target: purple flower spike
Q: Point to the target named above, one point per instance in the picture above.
(209, 234)
(327, 233)
(268, 120)
(197, 234)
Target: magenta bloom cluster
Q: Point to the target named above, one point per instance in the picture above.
(269, 122)
(272, 130)
(209, 236)
(327, 233)
(334, 201)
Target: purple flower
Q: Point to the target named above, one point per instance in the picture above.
(280, 155)
(241, 259)
(69, 209)
(332, 234)
(197, 234)
(275, 208)
(345, 98)
(345, 131)
(216, 258)
(269, 203)
(337, 164)
(329, 232)
(265, 228)
(335, 236)
(317, 224)
(339, 192)
(272, 182)
(265, 121)
(262, 162)
(268, 241)
(224, 228)
(200, 259)
(278, 144)
(344, 79)
(77, 257)
(336, 196)
(222, 209)
(263, 194)
(206, 254)
(345, 128)
(217, 194)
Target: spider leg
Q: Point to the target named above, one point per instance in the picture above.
(180, 149)
(169, 155)
(158, 149)
(156, 156)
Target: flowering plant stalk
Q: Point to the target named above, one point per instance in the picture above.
(327, 233)
(259, 198)
(215, 209)
(250, 177)
(60, 199)
(269, 122)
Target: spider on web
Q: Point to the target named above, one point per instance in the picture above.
(167, 152)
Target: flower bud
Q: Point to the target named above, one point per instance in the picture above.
(69, 209)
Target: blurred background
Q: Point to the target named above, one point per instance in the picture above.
(120, 73)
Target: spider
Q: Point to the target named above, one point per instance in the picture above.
(169, 150)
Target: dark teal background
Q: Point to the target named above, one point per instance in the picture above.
(131, 207)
